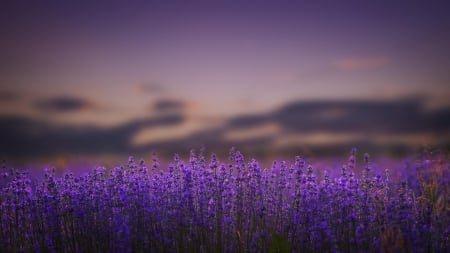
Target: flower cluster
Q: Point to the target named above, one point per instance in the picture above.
(239, 206)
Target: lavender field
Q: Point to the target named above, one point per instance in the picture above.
(236, 205)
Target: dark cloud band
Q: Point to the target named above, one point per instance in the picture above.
(64, 104)
(26, 137)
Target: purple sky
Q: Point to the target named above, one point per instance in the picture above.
(107, 63)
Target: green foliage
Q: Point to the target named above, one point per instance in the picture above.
(279, 244)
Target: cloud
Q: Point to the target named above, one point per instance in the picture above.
(325, 124)
(401, 116)
(251, 133)
(248, 121)
(328, 125)
(147, 88)
(360, 63)
(29, 137)
(64, 104)
(168, 105)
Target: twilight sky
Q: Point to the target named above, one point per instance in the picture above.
(102, 66)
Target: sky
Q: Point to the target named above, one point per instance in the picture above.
(134, 76)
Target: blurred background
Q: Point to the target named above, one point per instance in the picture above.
(102, 80)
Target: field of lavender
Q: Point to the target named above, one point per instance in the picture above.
(205, 205)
